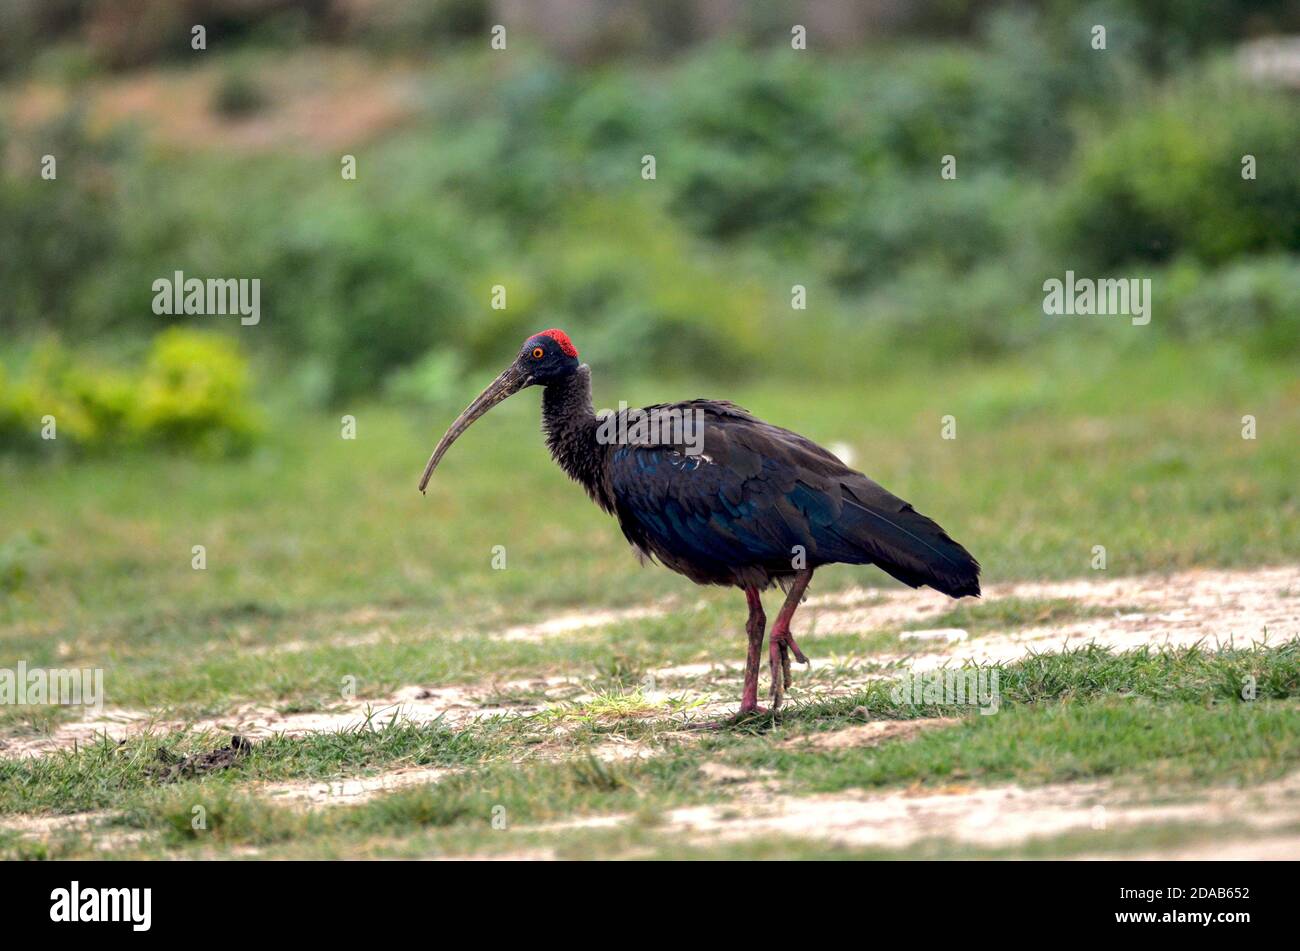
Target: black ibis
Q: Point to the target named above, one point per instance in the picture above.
(724, 498)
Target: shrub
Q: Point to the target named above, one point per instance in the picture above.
(775, 168)
(1000, 105)
(194, 395)
(55, 232)
(365, 287)
(405, 24)
(1256, 301)
(87, 405)
(669, 304)
(898, 220)
(1167, 180)
(191, 395)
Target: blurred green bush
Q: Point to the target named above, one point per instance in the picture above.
(1167, 179)
(774, 169)
(56, 232)
(1255, 301)
(132, 33)
(191, 395)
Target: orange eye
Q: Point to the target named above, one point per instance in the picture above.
(538, 353)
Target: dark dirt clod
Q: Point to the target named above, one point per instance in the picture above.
(172, 768)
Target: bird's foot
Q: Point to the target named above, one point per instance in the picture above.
(745, 713)
(780, 648)
(786, 640)
(779, 669)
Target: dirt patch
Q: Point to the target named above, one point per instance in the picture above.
(1271, 849)
(1212, 603)
(942, 635)
(353, 791)
(871, 734)
(529, 855)
(97, 826)
(1214, 608)
(990, 817)
(559, 626)
(320, 102)
(1188, 605)
(452, 705)
(1209, 607)
(349, 792)
(569, 623)
(112, 725)
(994, 817)
(43, 826)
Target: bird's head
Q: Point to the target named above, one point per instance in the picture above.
(544, 358)
(547, 357)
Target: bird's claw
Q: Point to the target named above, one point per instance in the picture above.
(779, 669)
(786, 679)
(783, 645)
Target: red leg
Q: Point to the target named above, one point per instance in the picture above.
(754, 627)
(782, 642)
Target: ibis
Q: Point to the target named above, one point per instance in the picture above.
(716, 494)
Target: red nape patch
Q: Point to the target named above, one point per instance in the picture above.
(560, 337)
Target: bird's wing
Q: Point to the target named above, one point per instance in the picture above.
(755, 491)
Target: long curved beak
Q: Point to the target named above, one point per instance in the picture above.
(511, 381)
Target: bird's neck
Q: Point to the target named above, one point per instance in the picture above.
(569, 421)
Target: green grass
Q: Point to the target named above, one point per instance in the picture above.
(1167, 720)
(101, 774)
(322, 549)
(317, 539)
(1152, 744)
(616, 706)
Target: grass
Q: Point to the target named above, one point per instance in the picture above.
(617, 706)
(980, 616)
(319, 542)
(1143, 743)
(101, 774)
(1172, 720)
(325, 564)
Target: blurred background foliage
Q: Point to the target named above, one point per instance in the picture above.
(191, 392)
(477, 168)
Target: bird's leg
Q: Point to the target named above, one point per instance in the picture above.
(782, 642)
(754, 627)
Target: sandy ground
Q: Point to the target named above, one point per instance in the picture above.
(987, 817)
(984, 817)
(1213, 607)
(348, 792)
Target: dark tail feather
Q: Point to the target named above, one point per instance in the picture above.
(905, 544)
